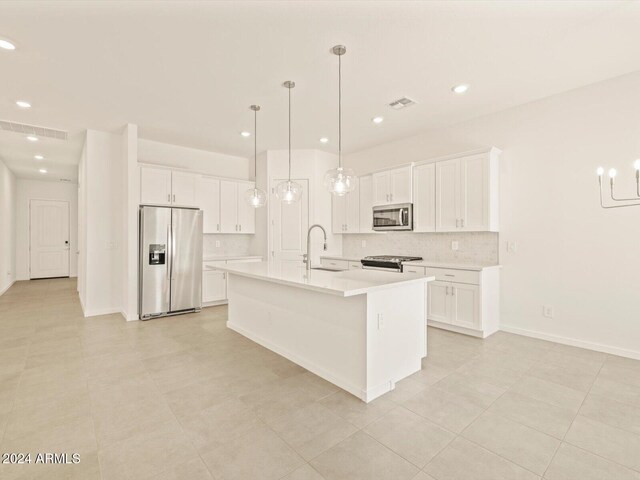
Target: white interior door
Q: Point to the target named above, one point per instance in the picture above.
(289, 225)
(48, 239)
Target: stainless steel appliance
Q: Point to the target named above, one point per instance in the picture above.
(393, 217)
(170, 275)
(388, 263)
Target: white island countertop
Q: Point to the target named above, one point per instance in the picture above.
(343, 283)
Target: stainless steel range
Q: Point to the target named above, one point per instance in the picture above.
(389, 263)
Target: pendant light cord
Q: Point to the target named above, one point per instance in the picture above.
(255, 143)
(340, 111)
(289, 134)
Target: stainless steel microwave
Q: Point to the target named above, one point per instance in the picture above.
(393, 217)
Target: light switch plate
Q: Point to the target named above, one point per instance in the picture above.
(454, 245)
(512, 247)
(547, 311)
(217, 243)
(364, 244)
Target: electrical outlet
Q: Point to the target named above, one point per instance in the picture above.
(364, 244)
(217, 243)
(454, 245)
(547, 311)
(512, 247)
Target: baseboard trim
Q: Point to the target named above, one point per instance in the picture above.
(598, 347)
(106, 311)
(7, 287)
(130, 318)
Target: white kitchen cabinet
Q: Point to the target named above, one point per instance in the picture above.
(246, 213)
(236, 216)
(345, 213)
(209, 192)
(462, 300)
(228, 206)
(214, 286)
(184, 189)
(162, 186)
(155, 186)
(392, 186)
(467, 193)
(365, 213)
(424, 198)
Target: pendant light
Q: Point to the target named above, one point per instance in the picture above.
(289, 191)
(254, 196)
(340, 181)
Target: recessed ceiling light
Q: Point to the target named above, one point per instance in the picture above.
(324, 140)
(460, 89)
(43, 170)
(6, 45)
(23, 104)
(31, 138)
(377, 119)
(38, 157)
(245, 134)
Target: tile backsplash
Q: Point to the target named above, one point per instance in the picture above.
(229, 245)
(477, 248)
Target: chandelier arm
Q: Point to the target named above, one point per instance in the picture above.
(613, 197)
(614, 206)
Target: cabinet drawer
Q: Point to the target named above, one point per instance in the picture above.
(452, 275)
(245, 260)
(355, 266)
(413, 269)
(214, 263)
(328, 262)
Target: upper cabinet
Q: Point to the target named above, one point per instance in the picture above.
(346, 213)
(236, 216)
(424, 198)
(365, 194)
(210, 204)
(221, 200)
(467, 193)
(162, 186)
(392, 186)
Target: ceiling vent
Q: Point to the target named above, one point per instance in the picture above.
(402, 103)
(25, 129)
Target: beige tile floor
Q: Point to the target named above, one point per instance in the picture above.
(186, 398)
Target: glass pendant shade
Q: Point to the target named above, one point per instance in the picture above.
(340, 181)
(288, 191)
(255, 197)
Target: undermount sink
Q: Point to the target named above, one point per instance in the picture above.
(325, 269)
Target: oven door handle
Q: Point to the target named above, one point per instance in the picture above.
(381, 269)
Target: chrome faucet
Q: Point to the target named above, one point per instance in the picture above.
(306, 258)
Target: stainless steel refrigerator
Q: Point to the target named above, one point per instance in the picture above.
(170, 276)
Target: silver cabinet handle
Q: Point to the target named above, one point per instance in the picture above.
(217, 227)
(391, 196)
(174, 198)
(462, 222)
(240, 227)
(168, 197)
(453, 290)
(457, 223)
(447, 290)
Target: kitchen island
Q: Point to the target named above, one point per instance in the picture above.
(362, 330)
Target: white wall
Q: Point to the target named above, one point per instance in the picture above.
(211, 163)
(571, 254)
(28, 190)
(7, 227)
(102, 223)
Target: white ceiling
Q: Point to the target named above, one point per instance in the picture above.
(186, 72)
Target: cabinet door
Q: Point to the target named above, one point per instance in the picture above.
(447, 195)
(438, 302)
(338, 213)
(400, 185)
(214, 286)
(228, 206)
(209, 193)
(184, 189)
(424, 198)
(381, 188)
(466, 305)
(352, 221)
(365, 187)
(155, 186)
(474, 193)
(246, 213)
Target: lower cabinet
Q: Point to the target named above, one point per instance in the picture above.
(214, 286)
(464, 301)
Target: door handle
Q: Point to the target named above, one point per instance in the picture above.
(169, 251)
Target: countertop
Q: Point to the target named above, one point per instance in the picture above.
(344, 283)
(426, 263)
(218, 258)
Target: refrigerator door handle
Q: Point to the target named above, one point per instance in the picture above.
(169, 251)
